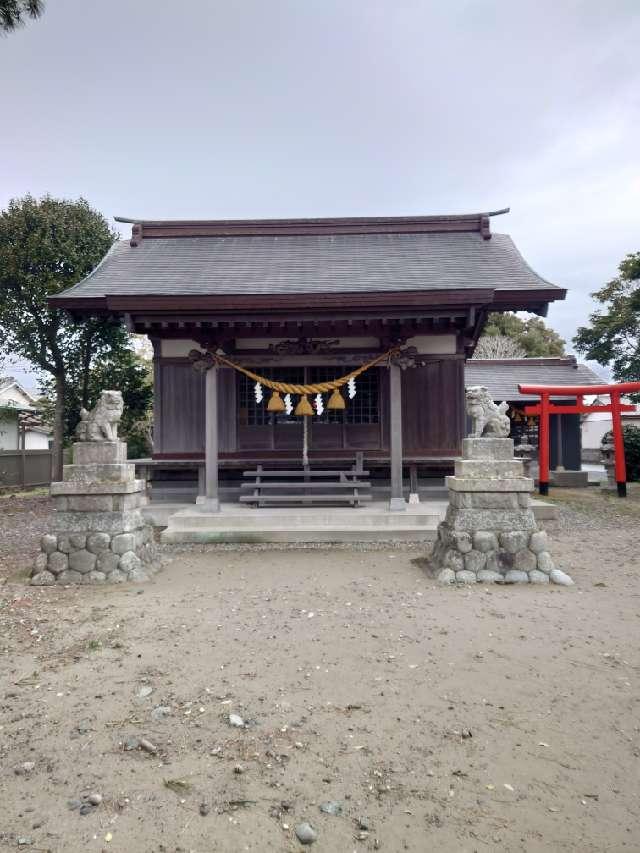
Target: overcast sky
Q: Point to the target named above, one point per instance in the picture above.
(341, 107)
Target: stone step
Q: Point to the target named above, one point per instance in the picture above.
(158, 514)
(317, 517)
(423, 533)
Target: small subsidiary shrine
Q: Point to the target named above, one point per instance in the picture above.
(300, 303)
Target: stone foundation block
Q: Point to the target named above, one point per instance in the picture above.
(515, 576)
(43, 578)
(96, 577)
(461, 540)
(98, 522)
(58, 562)
(123, 542)
(514, 540)
(129, 562)
(88, 503)
(489, 484)
(129, 501)
(525, 560)
(446, 576)
(538, 577)
(82, 561)
(539, 541)
(49, 543)
(488, 468)
(475, 561)
(490, 500)
(487, 448)
(99, 452)
(88, 488)
(40, 563)
(453, 560)
(118, 577)
(64, 543)
(98, 542)
(561, 578)
(484, 541)
(108, 473)
(107, 562)
(486, 519)
(487, 576)
(70, 577)
(466, 577)
(545, 562)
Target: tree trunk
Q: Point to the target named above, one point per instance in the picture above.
(58, 427)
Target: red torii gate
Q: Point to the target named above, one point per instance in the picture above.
(545, 408)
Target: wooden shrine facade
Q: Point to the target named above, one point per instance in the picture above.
(305, 301)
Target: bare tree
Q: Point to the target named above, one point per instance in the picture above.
(498, 346)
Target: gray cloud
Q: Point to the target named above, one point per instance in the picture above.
(341, 107)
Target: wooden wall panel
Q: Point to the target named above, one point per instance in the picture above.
(227, 426)
(433, 408)
(181, 409)
(432, 412)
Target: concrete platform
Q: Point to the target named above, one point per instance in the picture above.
(237, 523)
(569, 479)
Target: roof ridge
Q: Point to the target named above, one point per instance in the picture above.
(434, 223)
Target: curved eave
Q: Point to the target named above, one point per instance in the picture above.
(498, 300)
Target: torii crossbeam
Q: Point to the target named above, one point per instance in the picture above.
(545, 408)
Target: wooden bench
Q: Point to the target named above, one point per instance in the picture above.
(305, 487)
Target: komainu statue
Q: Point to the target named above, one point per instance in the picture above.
(101, 423)
(487, 419)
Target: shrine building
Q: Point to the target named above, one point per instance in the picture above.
(303, 302)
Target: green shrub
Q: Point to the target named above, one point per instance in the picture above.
(631, 437)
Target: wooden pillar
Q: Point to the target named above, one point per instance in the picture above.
(543, 445)
(618, 445)
(559, 454)
(397, 501)
(209, 502)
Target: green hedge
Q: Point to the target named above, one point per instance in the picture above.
(631, 436)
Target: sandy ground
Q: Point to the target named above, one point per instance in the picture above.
(471, 719)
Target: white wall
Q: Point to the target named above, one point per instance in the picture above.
(593, 428)
(35, 440)
(8, 431)
(15, 396)
(425, 344)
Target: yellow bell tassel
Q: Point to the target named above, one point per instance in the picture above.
(303, 407)
(276, 403)
(336, 401)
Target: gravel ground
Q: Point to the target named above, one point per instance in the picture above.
(471, 719)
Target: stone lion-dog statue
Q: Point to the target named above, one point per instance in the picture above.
(101, 423)
(487, 419)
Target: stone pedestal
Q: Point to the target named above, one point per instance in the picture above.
(489, 533)
(98, 533)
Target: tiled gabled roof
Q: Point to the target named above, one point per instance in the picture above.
(312, 256)
(501, 376)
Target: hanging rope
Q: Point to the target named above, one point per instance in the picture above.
(316, 387)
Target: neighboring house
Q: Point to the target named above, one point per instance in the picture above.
(20, 425)
(502, 376)
(596, 425)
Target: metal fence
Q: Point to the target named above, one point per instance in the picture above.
(24, 468)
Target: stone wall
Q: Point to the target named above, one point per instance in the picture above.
(490, 534)
(98, 533)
